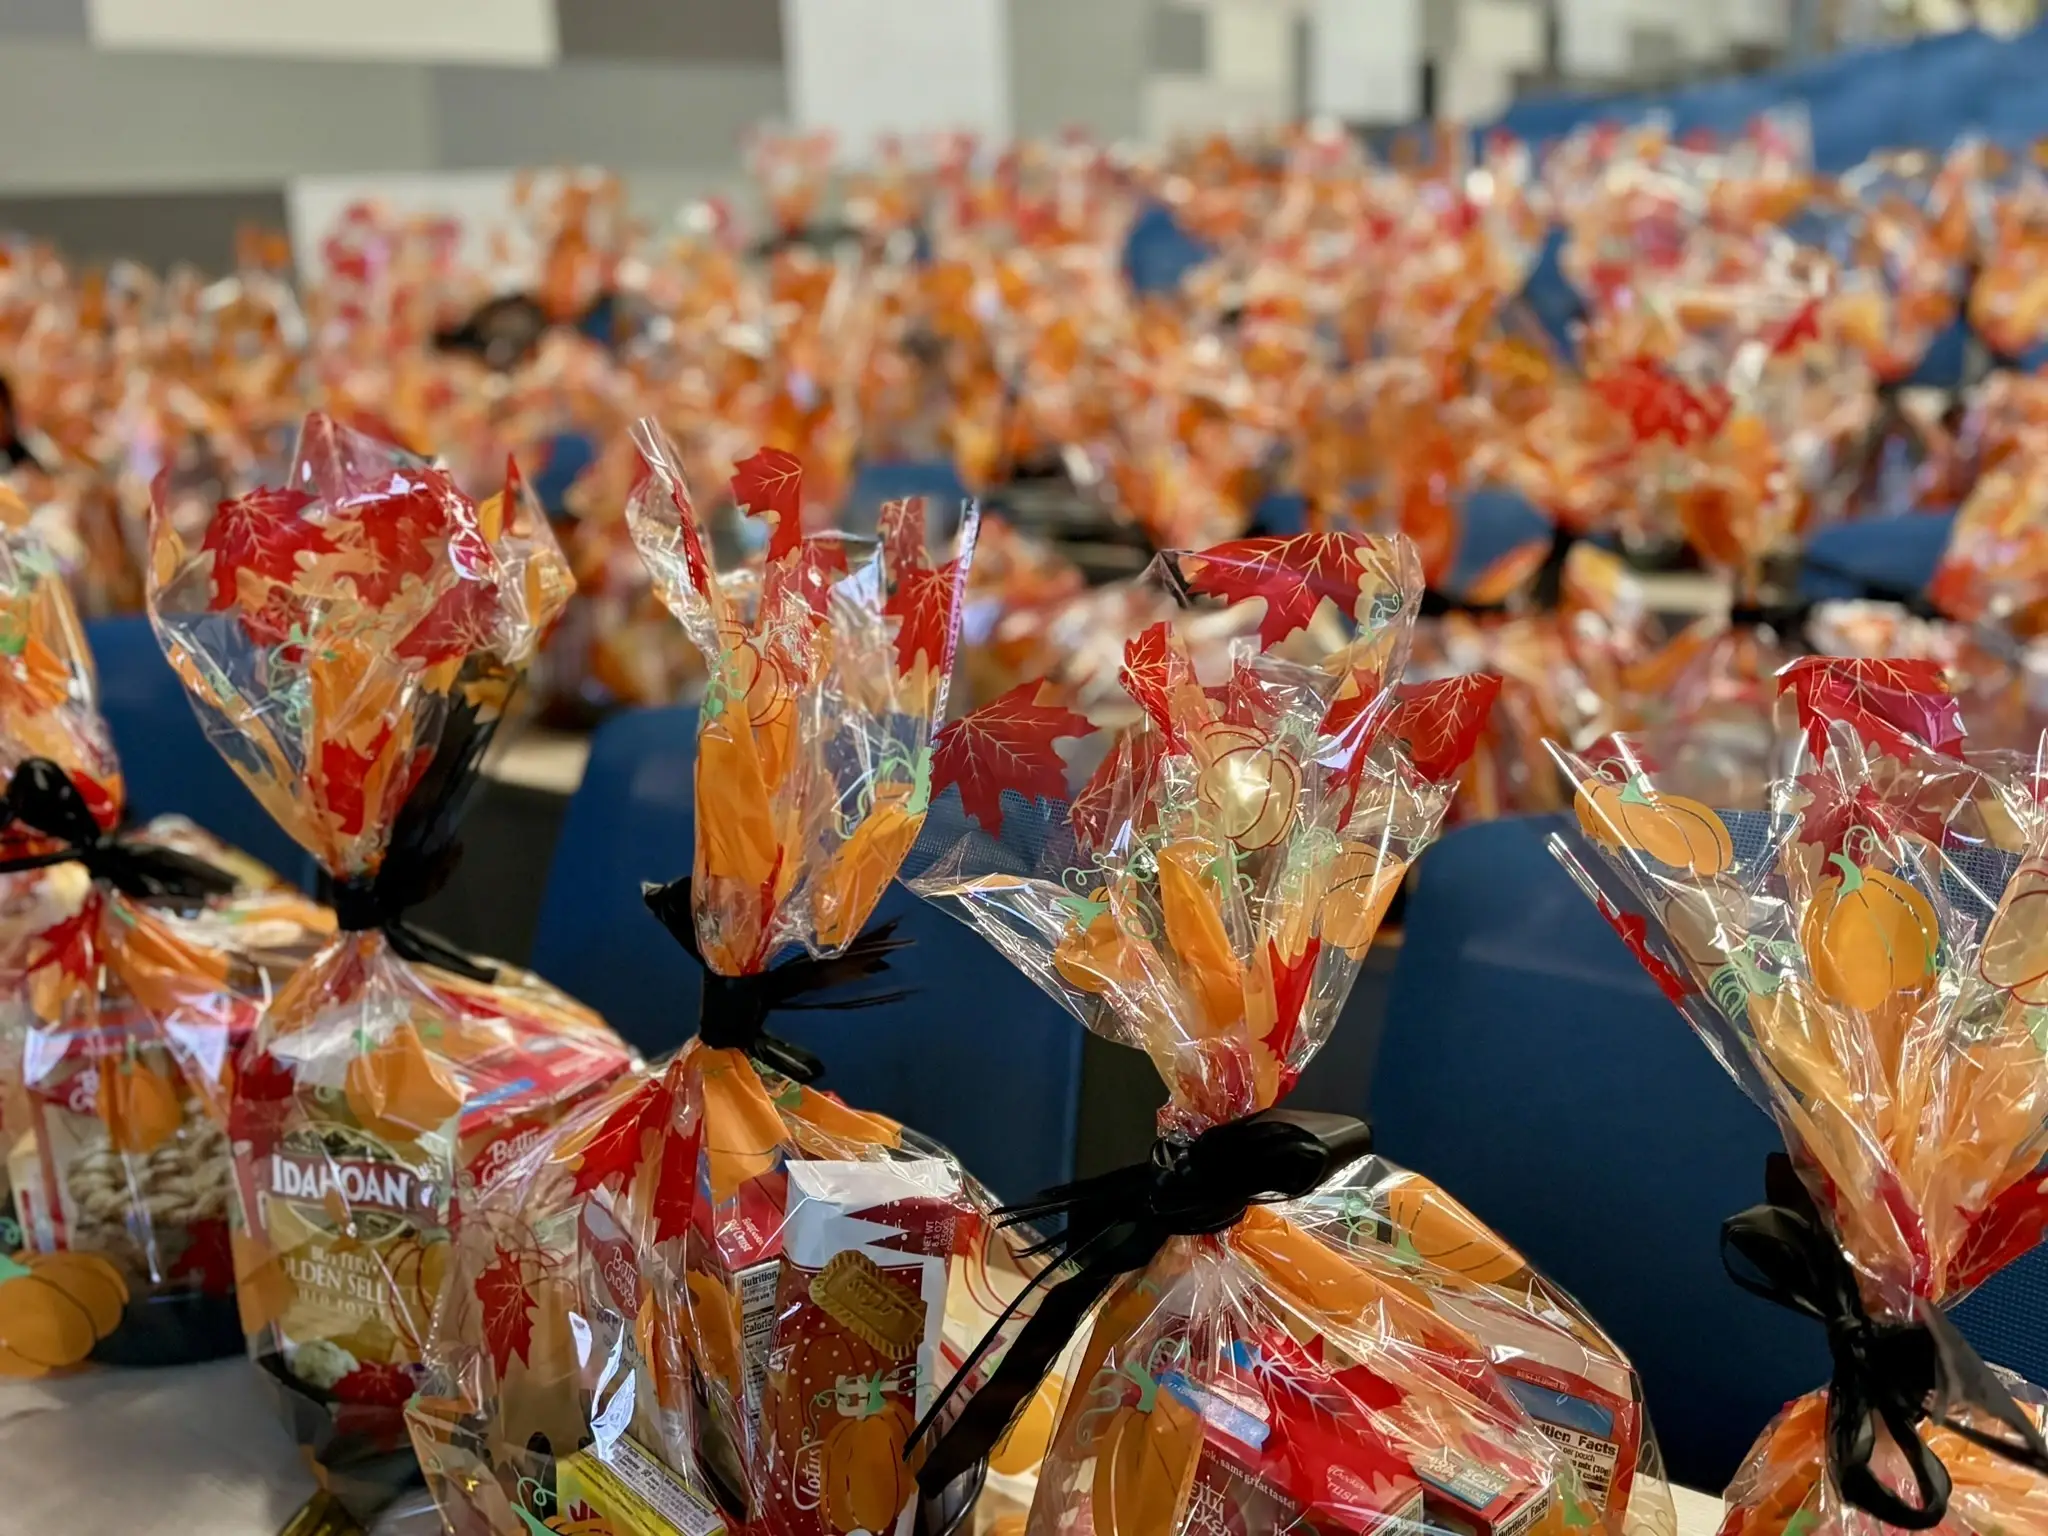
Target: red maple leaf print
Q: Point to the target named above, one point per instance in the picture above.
(1006, 744)
(1155, 664)
(900, 525)
(1804, 325)
(264, 534)
(1440, 722)
(808, 576)
(339, 779)
(374, 1385)
(928, 605)
(463, 620)
(507, 1310)
(614, 1152)
(1290, 994)
(1634, 932)
(1120, 788)
(209, 1258)
(2013, 1224)
(771, 485)
(403, 529)
(675, 1186)
(1893, 703)
(1293, 575)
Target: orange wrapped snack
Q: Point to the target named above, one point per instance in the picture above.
(1207, 896)
(132, 967)
(725, 1289)
(1863, 959)
(352, 640)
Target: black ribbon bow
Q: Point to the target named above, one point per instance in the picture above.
(44, 798)
(1890, 1373)
(1117, 1223)
(380, 901)
(736, 1008)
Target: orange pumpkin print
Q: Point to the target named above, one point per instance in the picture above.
(860, 870)
(743, 1130)
(1868, 936)
(867, 1481)
(2015, 953)
(714, 1328)
(54, 1307)
(1023, 1446)
(1670, 828)
(1145, 1463)
(139, 1105)
(397, 1089)
(1252, 790)
(735, 821)
(1193, 909)
(1097, 957)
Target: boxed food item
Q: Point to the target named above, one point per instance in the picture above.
(352, 640)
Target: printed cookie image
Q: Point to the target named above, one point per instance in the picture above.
(854, 1293)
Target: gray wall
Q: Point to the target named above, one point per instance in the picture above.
(1080, 62)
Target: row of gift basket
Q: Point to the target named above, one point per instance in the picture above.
(469, 1240)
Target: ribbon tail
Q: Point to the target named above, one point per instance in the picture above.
(1962, 1376)
(1031, 1357)
(424, 947)
(144, 871)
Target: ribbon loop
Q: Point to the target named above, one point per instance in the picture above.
(1117, 1223)
(43, 797)
(735, 1009)
(1893, 1375)
(380, 901)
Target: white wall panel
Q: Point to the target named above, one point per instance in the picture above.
(1367, 63)
(418, 31)
(868, 67)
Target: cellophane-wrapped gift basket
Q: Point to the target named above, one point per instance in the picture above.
(1291, 1336)
(352, 639)
(720, 1298)
(1864, 957)
(133, 964)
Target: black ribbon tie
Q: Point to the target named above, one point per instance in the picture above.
(380, 901)
(1115, 1224)
(44, 798)
(735, 1009)
(1894, 1374)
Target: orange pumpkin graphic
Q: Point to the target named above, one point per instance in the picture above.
(1252, 789)
(1193, 910)
(735, 819)
(867, 1481)
(1145, 1465)
(397, 1089)
(860, 870)
(714, 1328)
(1669, 828)
(1449, 1236)
(1362, 887)
(1097, 957)
(1868, 936)
(140, 1106)
(2015, 954)
(54, 1307)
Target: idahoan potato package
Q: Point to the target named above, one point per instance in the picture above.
(1291, 1336)
(1866, 958)
(132, 966)
(351, 640)
(720, 1298)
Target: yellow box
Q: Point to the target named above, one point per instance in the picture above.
(626, 1492)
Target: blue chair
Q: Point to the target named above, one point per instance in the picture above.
(977, 1056)
(1532, 1068)
(1893, 554)
(166, 760)
(2007, 1316)
(1158, 253)
(880, 480)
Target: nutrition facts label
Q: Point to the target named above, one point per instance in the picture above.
(1592, 1458)
(757, 1328)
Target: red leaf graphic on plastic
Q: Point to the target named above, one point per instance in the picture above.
(1634, 932)
(675, 1186)
(1293, 575)
(208, 1259)
(2013, 1224)
(463, 620)
(403, 530)
(1155, 664)
(1659, 405)
(809, 575)
(1006, 744)
(1122, 779)
(771, 484)
(507, 1308)
(928, 604)
(261, 533)
(375, 1385)
(900, 525)
(615, 1150)
(339, 780)
(1894, 704)
(1290, 993)
(1804, 325)
(1440, 722)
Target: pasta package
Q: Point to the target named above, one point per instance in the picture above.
(132, 966)
(351, 640)
(1206, 896)
(723, 1287)
(1860, 957)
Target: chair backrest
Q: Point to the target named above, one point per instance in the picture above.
(1532, 1068)
(977, 1057)
(2007, 1316)
(167, 763)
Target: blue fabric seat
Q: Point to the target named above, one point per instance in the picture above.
(167, 762)
(1889, 554)
(976, 1057)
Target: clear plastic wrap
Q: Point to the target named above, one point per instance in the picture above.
(351, 640)
(722, 1297)
(132, 966)
(1206, 896)
(1860, 958)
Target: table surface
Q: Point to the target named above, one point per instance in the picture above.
(195, 1448)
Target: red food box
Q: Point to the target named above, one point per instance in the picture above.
(731, 1267)
(855, 1356)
